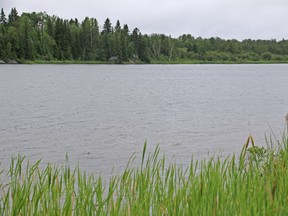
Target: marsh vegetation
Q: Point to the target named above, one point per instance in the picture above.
(251, 183)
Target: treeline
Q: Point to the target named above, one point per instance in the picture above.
(38, 36)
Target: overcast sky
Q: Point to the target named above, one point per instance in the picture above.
(228, 19)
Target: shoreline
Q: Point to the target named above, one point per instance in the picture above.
(153, 62)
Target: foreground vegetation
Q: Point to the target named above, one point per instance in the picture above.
(37, 36)
(253, 183)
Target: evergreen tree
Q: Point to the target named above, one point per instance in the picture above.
(106, 41)
(13, 17)
(117, 27)
(126, 29)
(3, 35)
(62, 38)
(136, 42)
(107, 28)
(3, 19)
(140, 46)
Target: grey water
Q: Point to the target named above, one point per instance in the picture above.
(101, 114)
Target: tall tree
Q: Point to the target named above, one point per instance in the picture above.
(126, 29)
(26, 45)
(90, 35)
(75, 39)
(62, 38)
(13, 17)
(106, 40)
(3, 19)
(140, 46)
(107, 27)
(118, 26)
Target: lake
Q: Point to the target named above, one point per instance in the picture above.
(101, 114)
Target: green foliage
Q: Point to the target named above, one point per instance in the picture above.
(38, 36)
(13, 17)
(3, 19)
(87, 41)
(255, 183)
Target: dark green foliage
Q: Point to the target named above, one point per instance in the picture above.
(62, 38)
(107, 28)
(3, 19)
(13, 17)
(38, 36)
(87, 41)
(26, 49)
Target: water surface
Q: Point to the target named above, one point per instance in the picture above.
(101, 114)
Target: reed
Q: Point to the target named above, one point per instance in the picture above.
(253, 183)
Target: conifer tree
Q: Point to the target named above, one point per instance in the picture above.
(3, 19)
(126, 29)
(117, 27)
(13, 17)
(106, 42)
(107, 28)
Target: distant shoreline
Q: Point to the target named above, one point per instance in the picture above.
(154, 62)
(39, 38)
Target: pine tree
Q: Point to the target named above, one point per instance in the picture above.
(106, 41)
(140, 46)
(62, 38)
(117, 27)
(3, 19)
(13, 17)
(107, 28)
(126, 29)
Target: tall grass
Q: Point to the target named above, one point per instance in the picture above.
(253, 183)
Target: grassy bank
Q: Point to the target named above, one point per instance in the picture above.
(252, 183)
(180, 61)
(187, 61)
(61, 62)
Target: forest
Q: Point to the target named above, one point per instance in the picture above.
(37, 36)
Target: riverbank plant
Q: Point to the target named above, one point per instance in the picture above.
(252, 183)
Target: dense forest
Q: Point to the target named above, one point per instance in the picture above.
(40, 37)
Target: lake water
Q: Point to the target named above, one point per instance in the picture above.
(101, 114)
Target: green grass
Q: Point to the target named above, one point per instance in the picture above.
(191, 61)
(154, 61)
(253, 183)
(61, 62)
